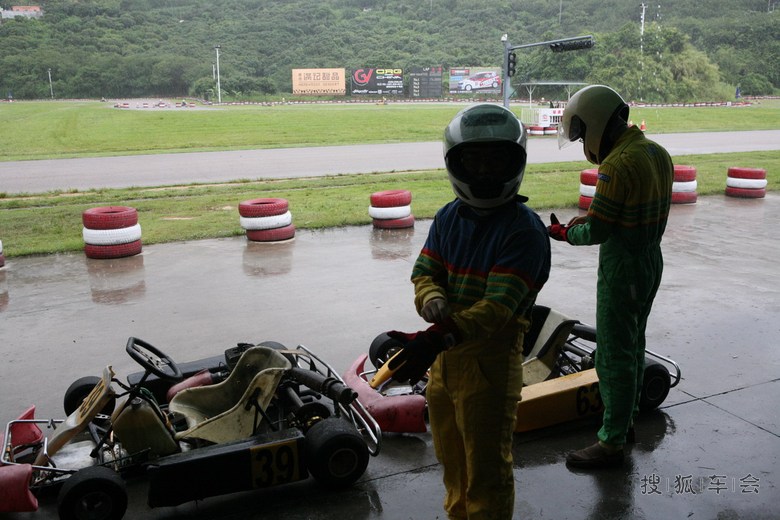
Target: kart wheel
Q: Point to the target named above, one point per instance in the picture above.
(95, 493)
(80, 389)
(383, 348)
(655, 386)
(336, 454)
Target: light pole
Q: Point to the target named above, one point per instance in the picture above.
(219, 89)
(563, 45)
(51, 89)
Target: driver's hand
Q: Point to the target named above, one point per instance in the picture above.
(436, 310)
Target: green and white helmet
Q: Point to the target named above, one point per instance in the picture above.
(588, 117)
(495, 139)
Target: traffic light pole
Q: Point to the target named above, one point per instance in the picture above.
(510, 58)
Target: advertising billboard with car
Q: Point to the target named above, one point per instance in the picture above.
(475, 79)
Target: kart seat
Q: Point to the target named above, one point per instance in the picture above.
(79, 419)
(226, 411)
(543, 343)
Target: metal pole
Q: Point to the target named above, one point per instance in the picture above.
(219, 88)
(507, 79)
(51, 89)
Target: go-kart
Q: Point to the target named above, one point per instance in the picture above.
(559, 381)
(259, 416)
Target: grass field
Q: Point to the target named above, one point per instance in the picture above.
(51, 222)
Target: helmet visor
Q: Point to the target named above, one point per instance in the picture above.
(571, 133)
(488, 163)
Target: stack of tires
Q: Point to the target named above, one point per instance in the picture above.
(111, 232)
(266, 220)
(684, 186)
(2, 256)
(535, 130)
(746, 183)
(588, 180)
(391, 209)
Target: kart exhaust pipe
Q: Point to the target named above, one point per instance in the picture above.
(329, 386)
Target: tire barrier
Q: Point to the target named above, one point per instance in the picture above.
(2, 256)
(746, 183)
(550, 130)
(391, 209)
(266, 219)
(535, 130)
(588, 180)
(111, 232)
(684, 185)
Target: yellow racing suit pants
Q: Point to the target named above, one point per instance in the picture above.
(472, 400)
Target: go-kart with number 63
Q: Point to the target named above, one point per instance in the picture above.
(559, 381)
(257, 416)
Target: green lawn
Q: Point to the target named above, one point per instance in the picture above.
(51, 222)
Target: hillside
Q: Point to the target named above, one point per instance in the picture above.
(133, 48)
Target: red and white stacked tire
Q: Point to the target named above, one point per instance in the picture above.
(266, 220)
(2, 256)
(588, 180)
(746, 183)
(111, 232)
(391, 209)
(535, 130)
(550, 130)
(685, 184)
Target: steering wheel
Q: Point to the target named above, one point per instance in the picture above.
(153, 360)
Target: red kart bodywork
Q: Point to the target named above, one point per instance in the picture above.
(399, 413)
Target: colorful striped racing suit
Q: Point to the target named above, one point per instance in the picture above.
(489, 268)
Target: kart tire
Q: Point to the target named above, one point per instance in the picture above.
(746, 193)
(589, 177)
(117, 251)
(271, 235)
(111, 237)
(684, 173)
(96, 492)
(394, 223)
(684, 197)
(584, 202)
(391, 198)
(389, 213)
(336, 454)
(655, 386)
(263, 207)
(587, 190)
(382, 348)
(109, 217)
(79, 390)
(746, 173)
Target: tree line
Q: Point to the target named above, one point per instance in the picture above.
(685, 51)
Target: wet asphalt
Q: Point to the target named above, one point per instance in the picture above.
(710, 452)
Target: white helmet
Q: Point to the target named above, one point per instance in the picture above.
(588, 116)
(484, 150)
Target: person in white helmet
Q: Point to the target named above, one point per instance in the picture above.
(627, 217)
(486, 257)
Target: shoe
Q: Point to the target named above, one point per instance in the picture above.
(595, 456)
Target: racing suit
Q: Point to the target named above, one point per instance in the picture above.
(489, 266)
(628, 218)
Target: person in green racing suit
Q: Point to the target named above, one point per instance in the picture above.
(627, 217)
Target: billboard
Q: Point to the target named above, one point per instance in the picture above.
(425, 82)
(475, 79)
(329, 82)
(378, 81)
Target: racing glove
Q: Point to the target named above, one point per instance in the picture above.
(556, 230)
(421, 348)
